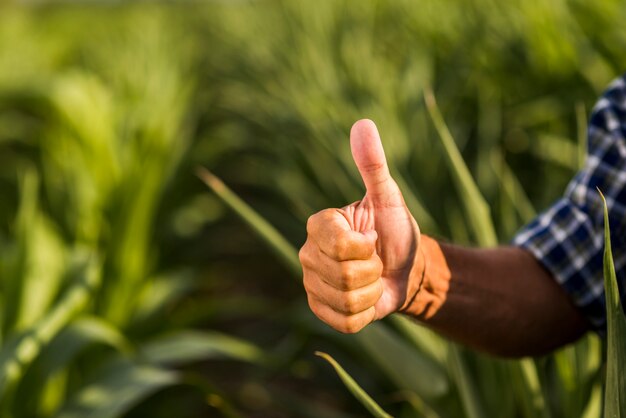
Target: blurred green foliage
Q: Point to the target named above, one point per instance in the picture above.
(126, 289)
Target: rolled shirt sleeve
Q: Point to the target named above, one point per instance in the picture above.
(568, 238)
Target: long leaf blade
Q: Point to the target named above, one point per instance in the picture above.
(615, 389)
(354, 388)
(467, 390)
(475, 205)
(283, 249)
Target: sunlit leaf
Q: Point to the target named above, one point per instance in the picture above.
(24, 348)
(57, 357)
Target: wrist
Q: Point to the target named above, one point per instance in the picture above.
(428, 281)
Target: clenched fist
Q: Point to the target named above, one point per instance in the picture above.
(361, 262)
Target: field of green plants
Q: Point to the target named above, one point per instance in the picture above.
(134, 283)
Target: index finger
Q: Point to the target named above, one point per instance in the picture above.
(330, 230)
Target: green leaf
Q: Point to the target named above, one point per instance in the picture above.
(161, 291)
(615, 388)
(525, 378)
(472, 404)
(43, 258)
(476, 207)
(581, 132)
(281, 247)
(424, 339)
(55, 358)
(33, 276)
(594, 406)
(24, 348)
(187, 346)
(513, 189)
(354, 388)
(79, 334)
(407, 367)
(119, 387)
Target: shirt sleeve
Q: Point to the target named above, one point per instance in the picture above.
(568, 238)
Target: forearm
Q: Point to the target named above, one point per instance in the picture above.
(498, 300)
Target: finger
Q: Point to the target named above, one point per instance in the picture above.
(348, 324)
(348, 302)
(342, 275)
(345, 275)
(369, 156)
(331, 232)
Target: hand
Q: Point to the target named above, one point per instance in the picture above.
(358, 261)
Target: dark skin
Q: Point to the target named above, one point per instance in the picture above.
(369, 259)
(528, 313)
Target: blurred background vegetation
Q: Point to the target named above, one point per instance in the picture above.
(127, 288)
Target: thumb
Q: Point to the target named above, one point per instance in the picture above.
(369, 156)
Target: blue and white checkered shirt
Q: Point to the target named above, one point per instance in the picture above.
(568, 238)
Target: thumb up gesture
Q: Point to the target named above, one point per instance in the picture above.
(360, 262)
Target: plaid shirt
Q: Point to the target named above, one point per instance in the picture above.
(568, 238)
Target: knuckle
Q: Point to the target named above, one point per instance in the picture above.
(317, 219)
(312, 289)
(369, 247)
(351, 302)
(328, 214)
(308, 255)
(351, 325)
(314, 306)
(303, 254)
(340, 247)
(306, 281)
(310, 223)
(322, 221)
(349, 276)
